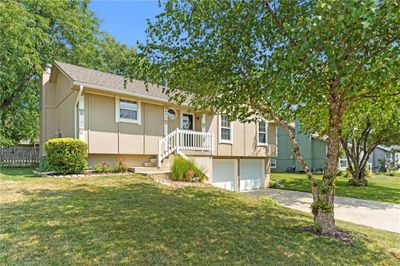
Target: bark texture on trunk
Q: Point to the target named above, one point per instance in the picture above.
(323, 208)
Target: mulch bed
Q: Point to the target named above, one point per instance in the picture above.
(339, 235)
(86, 174)
(166, 180)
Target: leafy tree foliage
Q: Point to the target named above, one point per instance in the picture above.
(310, 60)
(34, 33)
(371, 123)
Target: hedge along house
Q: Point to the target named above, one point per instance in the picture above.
(145, 128)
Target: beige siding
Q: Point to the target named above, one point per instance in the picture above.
(106, 136)
(237, 148)
(63, 88)
(103, 130)
(65, 115)
(174, 124)
(153, 124)
(131, 160)
(57, 107)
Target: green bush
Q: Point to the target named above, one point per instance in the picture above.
(347, 174)
(358, 182)
(367, 172)
(120, 166)
(103, 167)
(184, 170)
(276, 184)
(66, 155)
(393, 173)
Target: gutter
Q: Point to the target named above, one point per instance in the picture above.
(80, 92)
(117, 91)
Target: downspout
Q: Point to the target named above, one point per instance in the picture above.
(75, 112)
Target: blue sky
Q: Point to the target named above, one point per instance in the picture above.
(125, 20)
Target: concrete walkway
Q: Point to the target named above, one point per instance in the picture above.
(380, 215)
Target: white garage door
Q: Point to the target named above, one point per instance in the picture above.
(224, 173)
(251, 174)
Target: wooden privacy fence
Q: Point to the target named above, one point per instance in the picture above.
(19, 155)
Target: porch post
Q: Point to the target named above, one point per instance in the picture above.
(177, 140)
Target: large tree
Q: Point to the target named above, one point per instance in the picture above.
(34, 33)
(372, 123)
(309, 60)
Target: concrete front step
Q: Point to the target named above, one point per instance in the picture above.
(150, 164)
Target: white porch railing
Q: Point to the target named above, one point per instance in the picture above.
(184, 140)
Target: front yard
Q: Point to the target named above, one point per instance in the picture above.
(131, 220)
(380, 187)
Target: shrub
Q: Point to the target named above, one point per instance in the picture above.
(276, 184)
(367, 172)
(66, 155)
(393, 173)
(347, 174)
(382, 166)
(358, 182)
(339, 173)
(120, 166)
(103, 167)
(184, 170)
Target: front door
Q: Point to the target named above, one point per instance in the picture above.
(187, 121)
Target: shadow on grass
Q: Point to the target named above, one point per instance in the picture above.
(15, 173)
(141, 223)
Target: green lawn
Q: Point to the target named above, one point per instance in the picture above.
(131, 220)
(380, 187)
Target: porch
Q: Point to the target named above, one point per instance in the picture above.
(184, 140)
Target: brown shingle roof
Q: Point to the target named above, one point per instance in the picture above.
(101, 79)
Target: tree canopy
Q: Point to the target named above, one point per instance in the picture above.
(34, 33)
(310, 60)
(370, 123)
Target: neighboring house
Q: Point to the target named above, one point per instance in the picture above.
(380, 153)
(147, 130)
(312, 148)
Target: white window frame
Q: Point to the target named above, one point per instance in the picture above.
(125, 120)
(225, 141)
(258, 133)
(273, 165)
(344, 160)
(397, 157)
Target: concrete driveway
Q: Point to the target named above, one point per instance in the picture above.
(380, 215)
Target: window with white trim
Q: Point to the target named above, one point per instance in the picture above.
(127, 111)
(262, 133)
(343, 163)
(273, 163)
(225, 129)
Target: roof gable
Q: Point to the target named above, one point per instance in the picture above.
(102, 80)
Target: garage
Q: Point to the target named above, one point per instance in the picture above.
(252, 174)
(224, 173)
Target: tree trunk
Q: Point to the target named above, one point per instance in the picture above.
(358, 158)
(323, 207)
